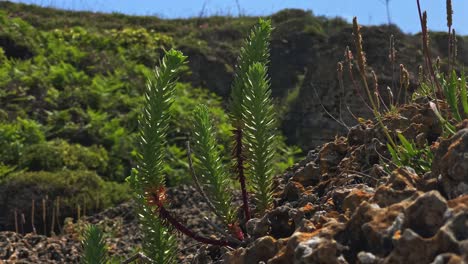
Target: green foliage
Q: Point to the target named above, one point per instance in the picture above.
(455, 93)
(83, 82)
(286, 156)
(140, 36)
(58, 154)
(94, 246)
(158, 242)
(260, 131)
(19, 37)
(5, 170)
(455, 96)
(74, 188)
(408, 154)
(16, 136)
(212, 173)
(255, 49)
(464, 94)
(70, 106)
(155, 119)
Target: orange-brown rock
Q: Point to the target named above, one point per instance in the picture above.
(451, 164)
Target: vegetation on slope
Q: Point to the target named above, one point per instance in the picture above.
(70, 95)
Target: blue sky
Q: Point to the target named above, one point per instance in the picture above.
(403, 12)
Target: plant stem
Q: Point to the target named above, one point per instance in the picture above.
(426, 50)
(166, 216)
(139, 256)
(240, 171)
(221, 231)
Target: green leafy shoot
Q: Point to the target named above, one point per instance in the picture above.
(408, 154)
(455, 93)
(94, 247)
(448, 128)
(158, 242)
(208, 162)
(260, 131)
(463, 94)
(254, 49)
(450, 88)
(423, 90)
(154, 122)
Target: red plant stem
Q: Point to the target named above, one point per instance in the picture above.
(165, 215)
(240, 170)
(427, 52)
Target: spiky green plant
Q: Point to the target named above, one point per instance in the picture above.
(255, 49)
(260, 130)
(94, 247)
(148, 179)
(212, 172)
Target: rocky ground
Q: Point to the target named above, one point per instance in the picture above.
(338, 205)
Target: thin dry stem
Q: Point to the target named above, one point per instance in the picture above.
(404, 81)
(454, 46)
(52, 225)
(32, 216)
(427, 51)
(449, 10)
(362, 70)
(138, 256)
(16, 220)
(57, 214)
(23, 222)
(392, 58)
(44, 215)
(348, 59)
(221, 231)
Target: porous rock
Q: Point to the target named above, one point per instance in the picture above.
(425, 215)
(402, 184)
(308, 175)
(451, 164)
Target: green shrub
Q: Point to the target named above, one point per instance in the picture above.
(15, 136)
(83, 188)
(59, 155)
(18, 39)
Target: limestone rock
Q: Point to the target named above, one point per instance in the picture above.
(308, 175)
(258, 227)
(451, 164)
(402, 184)
(425, 215)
